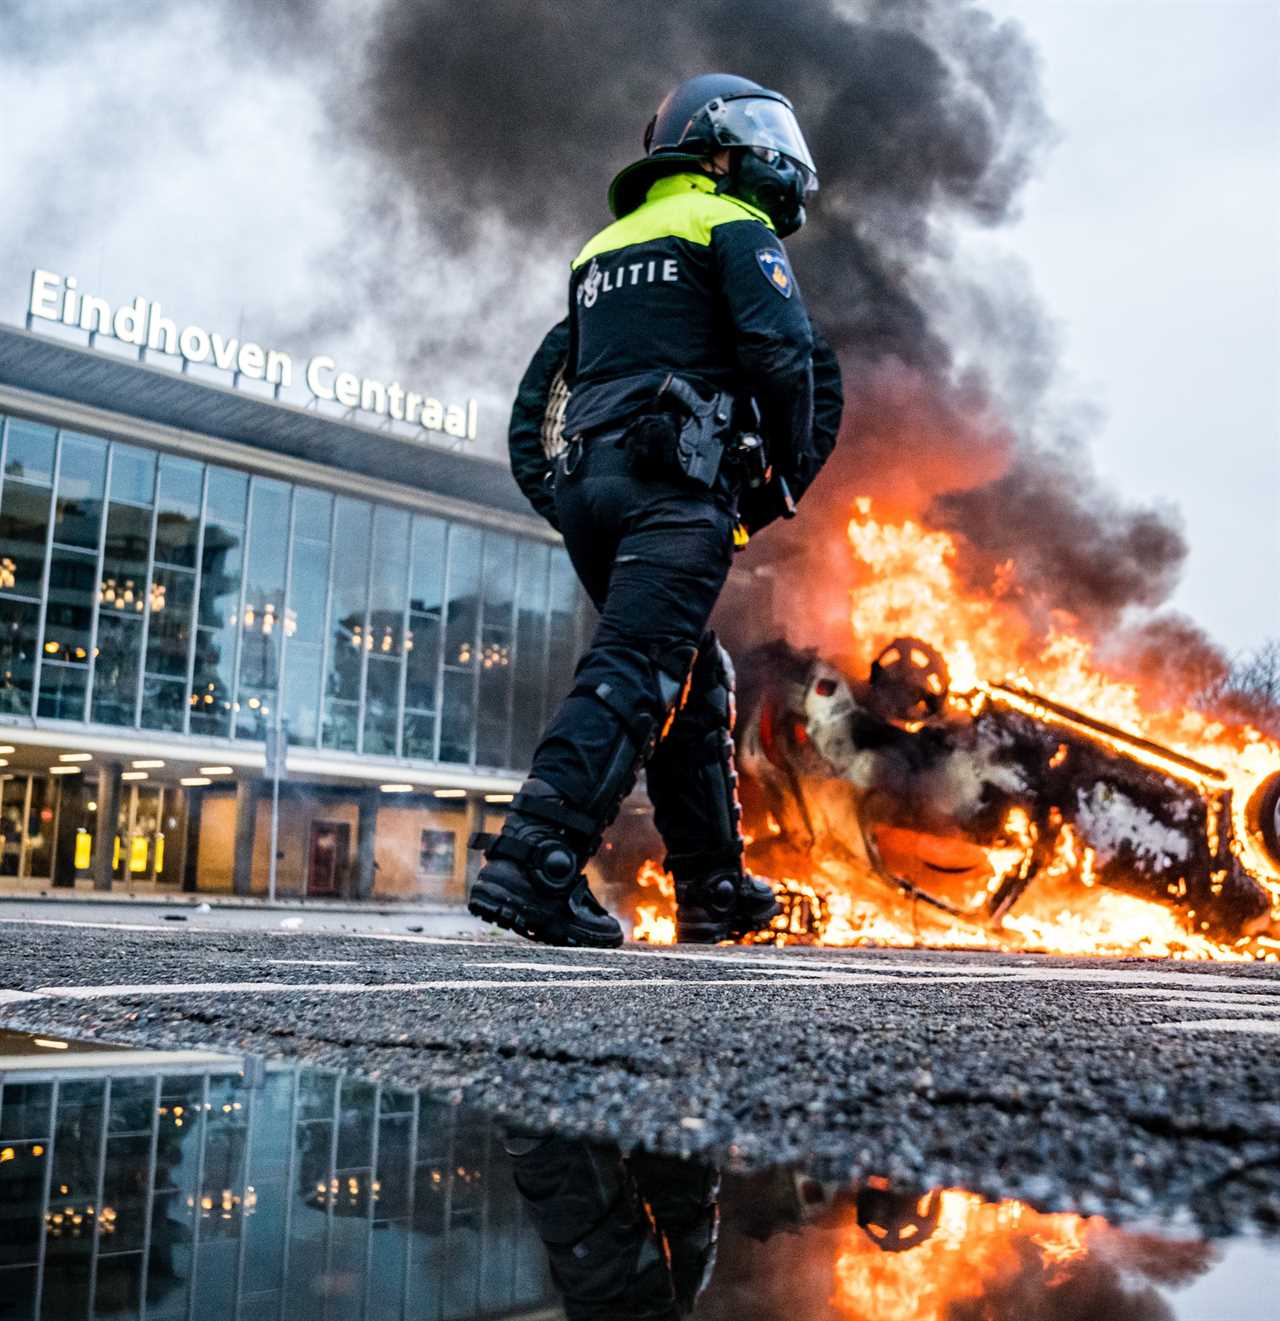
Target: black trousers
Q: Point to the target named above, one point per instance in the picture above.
(653, 556)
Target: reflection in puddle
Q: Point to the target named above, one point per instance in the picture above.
(169, 1192)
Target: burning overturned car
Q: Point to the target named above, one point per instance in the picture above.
(965, 809)
(905, 798)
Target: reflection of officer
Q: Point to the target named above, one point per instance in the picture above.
(631, 1237)
(685, 325)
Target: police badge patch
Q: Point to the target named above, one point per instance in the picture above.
(774, 266)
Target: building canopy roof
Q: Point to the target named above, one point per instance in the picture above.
(52, 367)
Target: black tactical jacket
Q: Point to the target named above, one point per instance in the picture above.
(697, 283)
(537, 435)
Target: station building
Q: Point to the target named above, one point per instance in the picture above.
(200, 584)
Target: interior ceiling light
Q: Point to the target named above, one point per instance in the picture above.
(217, 770)
(194, 780)
(75, 756)
(3, 762)
(498, 798)
(6, 749)
(64, 770)
(147, 765)
(133, 775)
(397, 788)
(450, 793)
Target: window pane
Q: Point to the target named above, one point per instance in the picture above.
(493, 719)
(24, 528)
(178, 516)
(164, 703)
(426, 602)
(302, 690)
(115, 673)
(388, 581)
(29, 451)
(18, 623)
(464, 591)
(385, 641)
(427, 585)
(82, 475)
(347, 628)
(309, 579)
(455, 729)
(221, 557)
(531, 641)
(40, 828)
(133, 474)
(311, 513)
(228, 492)
(564, 645)
(169, 632)
(419, 740)
(62, 691)
(262, 624)
(382, 699)
(69, 614)
(124, 561)
(499, 580)
(424, 653)
(462, 610)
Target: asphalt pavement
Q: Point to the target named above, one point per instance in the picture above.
(1137, 1089)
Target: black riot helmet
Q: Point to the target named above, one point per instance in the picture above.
(770, 163)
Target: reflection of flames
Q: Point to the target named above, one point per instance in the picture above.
(982, 1254)
(906, 585)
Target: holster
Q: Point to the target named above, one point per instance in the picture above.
(681, 434)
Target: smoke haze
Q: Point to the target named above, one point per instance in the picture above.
(474, 145)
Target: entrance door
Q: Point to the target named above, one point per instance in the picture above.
(327, 857)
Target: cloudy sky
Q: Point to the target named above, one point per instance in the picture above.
(145, 152)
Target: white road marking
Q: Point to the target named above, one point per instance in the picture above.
(452, 984)
(316, 963)
(12, 997)
(857, 966)
(1243, 1001)
(100, 926)
(537, 965)
(1261, 1026)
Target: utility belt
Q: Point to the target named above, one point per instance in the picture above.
(686, 436)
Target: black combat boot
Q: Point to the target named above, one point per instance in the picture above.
(719, 903)
(532, 881)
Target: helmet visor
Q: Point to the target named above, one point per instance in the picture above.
(765, 125)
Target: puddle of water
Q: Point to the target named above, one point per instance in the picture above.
(221, 1195)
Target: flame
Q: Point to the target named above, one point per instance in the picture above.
(976, 1245)
(656, 922)
(906, 584)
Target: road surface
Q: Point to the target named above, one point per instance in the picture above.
(1131, 1088)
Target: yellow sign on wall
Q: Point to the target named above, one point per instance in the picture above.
(138, 853)
(84, 850)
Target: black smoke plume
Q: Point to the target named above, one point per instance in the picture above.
(923, 115)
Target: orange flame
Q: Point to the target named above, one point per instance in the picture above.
(655, 922)
(906, 584)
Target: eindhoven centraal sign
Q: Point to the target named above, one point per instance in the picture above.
(57, 298)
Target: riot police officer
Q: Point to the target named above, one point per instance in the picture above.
(686, 330)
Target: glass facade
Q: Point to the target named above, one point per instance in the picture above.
(183, 1195)
(149, 591)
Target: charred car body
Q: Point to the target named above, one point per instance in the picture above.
(962, 805)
